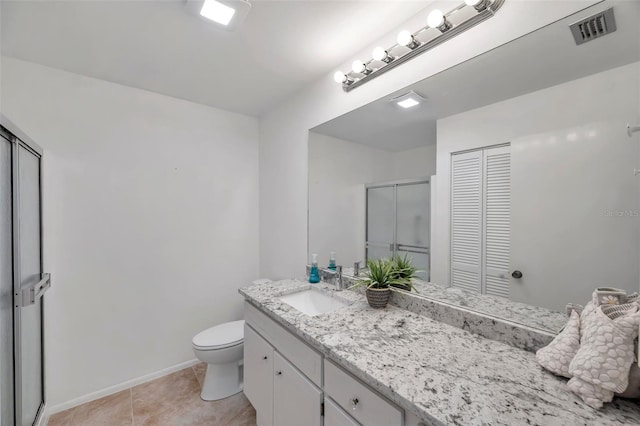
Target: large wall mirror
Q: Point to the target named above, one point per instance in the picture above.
(533, 197)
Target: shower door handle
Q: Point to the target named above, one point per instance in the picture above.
(35, 291)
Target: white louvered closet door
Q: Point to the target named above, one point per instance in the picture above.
(466, 221)
(497, 220)
(480, 220)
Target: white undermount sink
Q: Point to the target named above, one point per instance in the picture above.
(313, 302)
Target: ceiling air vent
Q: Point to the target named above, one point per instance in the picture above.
(594, 26)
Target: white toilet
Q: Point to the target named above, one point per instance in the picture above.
(222, 348)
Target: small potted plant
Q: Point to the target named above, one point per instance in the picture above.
(404, 271)
(379, 280)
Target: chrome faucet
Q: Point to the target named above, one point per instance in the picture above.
(356, 268)
(333, 277)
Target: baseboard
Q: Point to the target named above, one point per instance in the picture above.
(116, 388)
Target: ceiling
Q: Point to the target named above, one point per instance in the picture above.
(542, 59)
(159, 46)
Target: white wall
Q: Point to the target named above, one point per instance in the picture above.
(338, 171)
(150, 219)
(284, 131)
(415, 163)
(571, 171)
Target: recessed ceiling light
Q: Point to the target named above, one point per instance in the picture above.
(408, 100)
(225, 14)
(408, 103)
(217, 12)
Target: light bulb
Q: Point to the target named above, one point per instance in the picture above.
(435, 18)
(339, 77)
(479, 5)
(405, 38)
(379, 54)
(358, 66)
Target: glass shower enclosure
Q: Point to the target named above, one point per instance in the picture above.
(22, 281)
(398, 221)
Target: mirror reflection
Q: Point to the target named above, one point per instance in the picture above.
(529, 192)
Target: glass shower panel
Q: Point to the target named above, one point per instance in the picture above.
(380, 215)
(6, 287)
(32, 395)
(413, 215)
(420, 260)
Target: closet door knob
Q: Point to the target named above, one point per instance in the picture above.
(279, 373)
(265, 357)
(517, 275)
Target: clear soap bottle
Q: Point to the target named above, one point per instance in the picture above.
(332, 261)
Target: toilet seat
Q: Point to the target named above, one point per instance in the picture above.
(219, 337)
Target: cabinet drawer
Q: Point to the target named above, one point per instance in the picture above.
(363, 404)
(334, 416)
(306, 359)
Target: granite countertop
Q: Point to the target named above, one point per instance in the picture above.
(442, 374)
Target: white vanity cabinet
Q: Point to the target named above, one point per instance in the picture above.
(284, 380)
(258, 375)
(334, 416)
(282, 390)
(296, 401)
(363, 404)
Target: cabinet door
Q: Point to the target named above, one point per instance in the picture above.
(296, 400)
(258, 375)
(335, 416)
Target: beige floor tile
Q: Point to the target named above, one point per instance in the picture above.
(112, 410)
(200, 370)
(63, 418)
(171, 400)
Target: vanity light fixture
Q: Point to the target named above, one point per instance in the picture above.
(227, 14)
(479, 5)
(436, 19)
(379, 54)
(449, 25)
(360, 67)
(405, 38)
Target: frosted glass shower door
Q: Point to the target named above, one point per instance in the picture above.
(413, 211)
(399, 221)
(30, 341)
(380, 235)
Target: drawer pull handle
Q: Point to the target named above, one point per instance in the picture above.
(354, 403)
(279, 373)
(265, 357)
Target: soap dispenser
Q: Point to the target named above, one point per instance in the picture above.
(314, 275)
(332, 261)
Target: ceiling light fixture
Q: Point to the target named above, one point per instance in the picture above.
(408, 100)
(408, 103)
(217, 12)
(227, 14)
(450, 24)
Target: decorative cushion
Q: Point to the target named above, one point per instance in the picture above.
(558, 354)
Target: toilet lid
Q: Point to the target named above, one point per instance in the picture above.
(220, 336)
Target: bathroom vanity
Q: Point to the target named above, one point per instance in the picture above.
(358, 365)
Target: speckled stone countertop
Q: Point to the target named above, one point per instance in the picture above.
(442, 374)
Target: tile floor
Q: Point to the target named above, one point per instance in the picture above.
(173, 400)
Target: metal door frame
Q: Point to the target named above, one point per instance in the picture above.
(18, 139)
